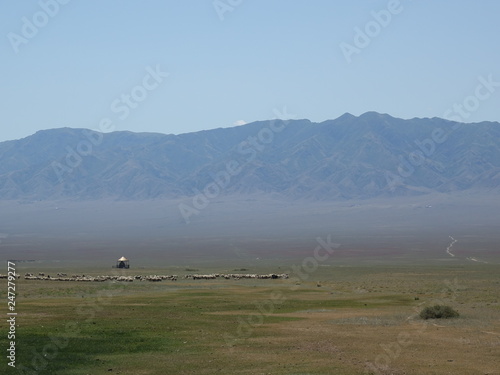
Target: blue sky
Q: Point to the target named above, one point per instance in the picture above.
(247, 60)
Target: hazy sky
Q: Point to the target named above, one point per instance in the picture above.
(81, 62)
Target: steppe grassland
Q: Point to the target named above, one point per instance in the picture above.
(345, 320)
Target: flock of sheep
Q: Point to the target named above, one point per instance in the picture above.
(65, 277)
(234, 276)
(237, 276)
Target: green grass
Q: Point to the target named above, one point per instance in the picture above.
(176, 323)
(208, 327)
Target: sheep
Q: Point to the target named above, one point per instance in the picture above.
(152, 278)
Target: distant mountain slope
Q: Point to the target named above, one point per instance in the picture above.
(350, 157)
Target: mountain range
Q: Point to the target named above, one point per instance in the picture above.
(373, 155)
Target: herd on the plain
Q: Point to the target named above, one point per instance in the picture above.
(212, 276)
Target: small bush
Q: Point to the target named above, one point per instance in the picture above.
(438, 312)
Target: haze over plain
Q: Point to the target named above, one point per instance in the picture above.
(388, 190)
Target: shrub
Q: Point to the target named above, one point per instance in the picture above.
(438, 312)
